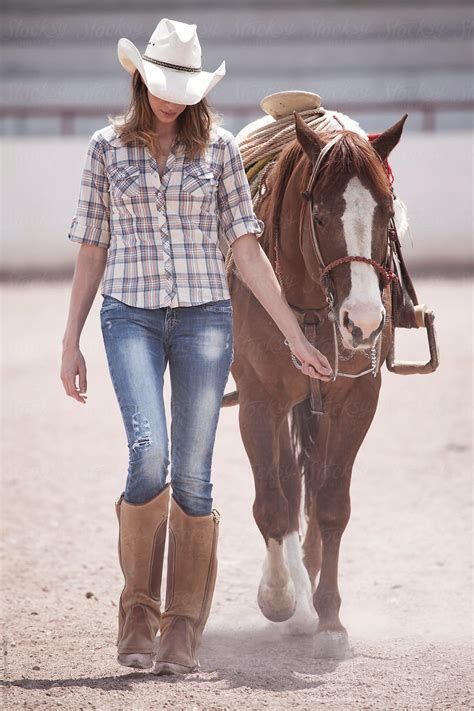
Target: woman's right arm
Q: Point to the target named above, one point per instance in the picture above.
(88, 272)
(91, 228)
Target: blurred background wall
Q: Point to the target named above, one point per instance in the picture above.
(371, 60)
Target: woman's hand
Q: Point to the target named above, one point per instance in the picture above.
(314, 363)
(73, 364)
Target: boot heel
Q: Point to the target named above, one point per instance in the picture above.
(137, 661)
(171, 668)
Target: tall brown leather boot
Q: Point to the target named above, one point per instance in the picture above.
(142, 536)
(191, 577)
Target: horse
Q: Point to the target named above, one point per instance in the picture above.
(326, 207)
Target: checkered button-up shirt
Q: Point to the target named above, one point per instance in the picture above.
(165, 237)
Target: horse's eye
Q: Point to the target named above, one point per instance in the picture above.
(317, 219)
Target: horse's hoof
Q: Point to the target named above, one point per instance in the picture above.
(300, 625)
(277, 604)
(332, 644)
(303, 622)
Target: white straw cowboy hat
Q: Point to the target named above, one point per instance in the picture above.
(171, 63)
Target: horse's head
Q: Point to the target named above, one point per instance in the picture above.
(352, 205)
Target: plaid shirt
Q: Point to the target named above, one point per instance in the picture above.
(165, 237)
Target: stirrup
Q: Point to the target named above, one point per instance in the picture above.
(424, 318)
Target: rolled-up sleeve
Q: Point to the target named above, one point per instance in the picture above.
(91, 224)
(236, 213)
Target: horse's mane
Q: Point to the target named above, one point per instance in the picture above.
(280, 176)
(351, 155)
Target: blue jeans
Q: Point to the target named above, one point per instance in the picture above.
(198, 343)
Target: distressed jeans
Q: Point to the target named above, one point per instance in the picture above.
(198, 343)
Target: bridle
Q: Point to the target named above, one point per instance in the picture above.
(326, 281)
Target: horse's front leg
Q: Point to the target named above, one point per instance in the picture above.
(304, 620)
(345, 435)
(333, 512)
(260, 418)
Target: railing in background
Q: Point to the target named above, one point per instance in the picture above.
(67, 116)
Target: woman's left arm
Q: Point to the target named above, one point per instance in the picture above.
(257, 272)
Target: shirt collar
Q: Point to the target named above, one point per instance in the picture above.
(116, 141)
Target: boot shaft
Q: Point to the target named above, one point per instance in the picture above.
(141, 545)
(192, 563)
(191, 578)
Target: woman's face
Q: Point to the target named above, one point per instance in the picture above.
(165, 111)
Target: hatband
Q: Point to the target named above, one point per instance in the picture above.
(171, 66)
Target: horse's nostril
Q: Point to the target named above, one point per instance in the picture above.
(357, 335)
(346, 321)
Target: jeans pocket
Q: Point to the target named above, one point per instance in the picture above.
(110, 302)
(219, 306)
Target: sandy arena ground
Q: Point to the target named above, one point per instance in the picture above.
(405, 567)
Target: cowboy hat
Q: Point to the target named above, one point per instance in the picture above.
(283, 103)
(171, 63)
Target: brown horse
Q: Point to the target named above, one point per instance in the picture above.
(350, 204)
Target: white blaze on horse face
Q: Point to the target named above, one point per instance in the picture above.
(361, 312)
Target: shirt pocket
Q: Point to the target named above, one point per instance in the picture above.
(126, 183)
(198, 188)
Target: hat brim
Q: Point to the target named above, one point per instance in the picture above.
(173, 85)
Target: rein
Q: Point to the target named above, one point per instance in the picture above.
(326, 282)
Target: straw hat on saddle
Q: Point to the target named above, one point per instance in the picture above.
(283, 103)
(171, 63)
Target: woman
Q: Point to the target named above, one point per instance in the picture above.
(161, 188)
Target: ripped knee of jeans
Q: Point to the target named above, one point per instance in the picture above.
(141, 433)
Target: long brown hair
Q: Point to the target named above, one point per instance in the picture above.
(138, 123)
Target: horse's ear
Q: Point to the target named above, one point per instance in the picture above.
(309, 140)
(386, 142)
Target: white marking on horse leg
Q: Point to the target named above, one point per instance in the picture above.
(363, 304)
(276, 593)
(305, 619)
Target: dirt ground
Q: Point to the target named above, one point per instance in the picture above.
(405, 569)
